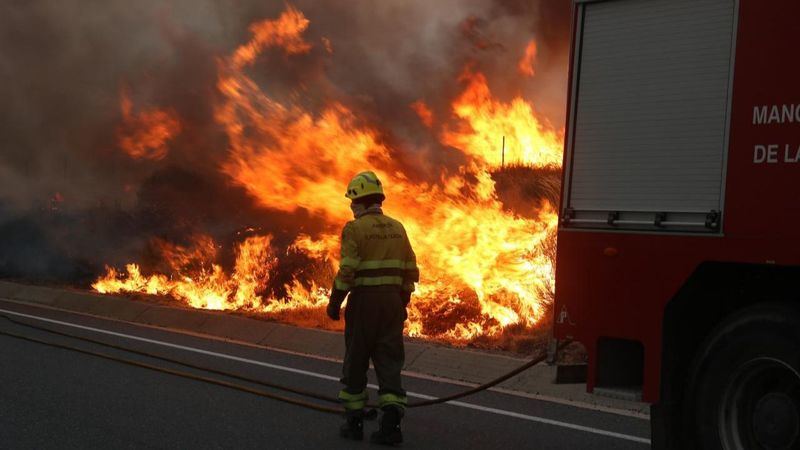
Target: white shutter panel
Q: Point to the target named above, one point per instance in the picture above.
(651, 112)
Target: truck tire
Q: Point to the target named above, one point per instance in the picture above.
(744, 386)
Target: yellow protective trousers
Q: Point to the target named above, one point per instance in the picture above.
(374, 319)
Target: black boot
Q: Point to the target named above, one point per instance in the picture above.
(389, 432)
(353, 427)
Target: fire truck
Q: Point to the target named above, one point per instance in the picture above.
(679, 239)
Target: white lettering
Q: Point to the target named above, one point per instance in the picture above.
(788, 157)
(774, 115)
(759, 154)
(759, 115)
(772, 154)
(788, 114)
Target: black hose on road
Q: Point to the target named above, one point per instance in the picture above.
(486, 385)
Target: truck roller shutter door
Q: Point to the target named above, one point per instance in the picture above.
(651, 114)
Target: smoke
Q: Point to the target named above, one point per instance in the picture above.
(70, 199)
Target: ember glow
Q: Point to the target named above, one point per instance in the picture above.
(483, 267)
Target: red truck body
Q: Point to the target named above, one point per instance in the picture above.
(663, 289)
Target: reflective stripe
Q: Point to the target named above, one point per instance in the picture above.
(353, 401)
(348, 261)
(392, 399)
(387, 272)
(378, 281)
(381, 264)
(341, 285)
(348, 397)
(387, 264)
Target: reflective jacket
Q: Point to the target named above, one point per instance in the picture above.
(376, 252)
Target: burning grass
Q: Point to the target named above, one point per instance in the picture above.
(249, 291)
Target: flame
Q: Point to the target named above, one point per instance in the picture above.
(529, 139)
(323, 248)
(285, 33)
(483, 268)
(198, 281)
(525, 65)
(145, 135)
(423, 112)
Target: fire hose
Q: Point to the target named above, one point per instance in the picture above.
(310, 405)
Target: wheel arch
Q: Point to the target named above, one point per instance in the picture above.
(714, 292)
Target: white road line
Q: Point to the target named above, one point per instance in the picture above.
(472, 406)
(176, 346)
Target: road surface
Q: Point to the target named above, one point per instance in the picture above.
(57, 398)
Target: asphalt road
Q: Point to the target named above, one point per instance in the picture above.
(56, 398)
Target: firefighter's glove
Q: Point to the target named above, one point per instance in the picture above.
(335, 303)
(333, 310)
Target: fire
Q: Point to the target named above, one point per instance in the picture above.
(529, 139)
(145, 135)
(196, 279)
(284, 33)
(525, 65)
(483, 268)
(423, 112)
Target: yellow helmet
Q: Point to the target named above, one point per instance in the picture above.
(364, 184)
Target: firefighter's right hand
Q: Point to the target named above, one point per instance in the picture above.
(333, 310)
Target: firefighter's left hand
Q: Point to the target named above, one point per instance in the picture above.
(333, 310)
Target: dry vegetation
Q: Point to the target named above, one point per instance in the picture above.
(522, 189)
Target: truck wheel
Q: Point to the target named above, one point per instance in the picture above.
(745, 382)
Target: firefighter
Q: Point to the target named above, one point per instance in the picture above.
(378, 269)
